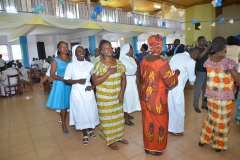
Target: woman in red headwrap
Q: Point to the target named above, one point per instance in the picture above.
(157, 78)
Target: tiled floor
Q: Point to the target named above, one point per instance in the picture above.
(29, 131)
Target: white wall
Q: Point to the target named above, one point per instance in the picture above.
(48, 44)
(226, 29)
(174, 16)
(32, 47)
(171, 37)
(85, 42)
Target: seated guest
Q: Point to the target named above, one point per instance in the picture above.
(37, 62)
(22, 72)
(96, 58)
(2, 64)
(176, 48)
(46, 63)
(14, 64)
(32, 61)
(8, 72)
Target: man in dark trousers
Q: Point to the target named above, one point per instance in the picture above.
(176, 48)
(201, 74)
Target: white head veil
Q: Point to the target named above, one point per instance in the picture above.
(74, 58)
(124, 50)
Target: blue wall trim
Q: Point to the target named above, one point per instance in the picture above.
(24, 50)
(92, 44)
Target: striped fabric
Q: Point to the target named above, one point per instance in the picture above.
(110, 111)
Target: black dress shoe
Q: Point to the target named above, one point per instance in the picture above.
(197, 109)
(218, 150)
(200, 144)
(204, 107)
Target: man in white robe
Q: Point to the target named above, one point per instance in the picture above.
(185, 62)
(22, 72)
(94, 59)
(8, 72)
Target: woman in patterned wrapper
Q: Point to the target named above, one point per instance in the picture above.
(157, 78)
(221, 74)
(110, 81)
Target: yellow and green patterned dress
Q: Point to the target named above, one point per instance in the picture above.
(110, 111)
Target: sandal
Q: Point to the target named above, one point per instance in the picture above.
(129, 123)
(113, 146)
(85, 140)
(60, 121)
(153, 153)
(92, 135)
(124, 141)
(130, 117)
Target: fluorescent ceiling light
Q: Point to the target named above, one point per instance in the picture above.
(157, 6)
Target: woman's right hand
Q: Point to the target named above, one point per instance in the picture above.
(40, 85)
(112, 70)
(177, 71)
(82, 81)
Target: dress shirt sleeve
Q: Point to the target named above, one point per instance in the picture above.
(191, 72)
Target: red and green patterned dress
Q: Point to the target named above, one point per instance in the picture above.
(157, 78)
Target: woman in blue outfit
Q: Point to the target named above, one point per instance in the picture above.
(60, 92)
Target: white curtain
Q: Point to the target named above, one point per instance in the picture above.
(116, 28)
(66, 23)
(13, 20)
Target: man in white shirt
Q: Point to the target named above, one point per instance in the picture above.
(185, 62)
(22, 72)
(9, 71)
(32, 61)
(46, 63)
(2, 64)
(96, 58)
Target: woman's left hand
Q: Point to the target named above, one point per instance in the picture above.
(89, 88)
(120, 98)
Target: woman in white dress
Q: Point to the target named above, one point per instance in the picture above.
(131, 101)
(83, 106)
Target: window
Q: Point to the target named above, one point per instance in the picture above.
(114, 44)
(59, 10)
(16, 51)
(4, 52)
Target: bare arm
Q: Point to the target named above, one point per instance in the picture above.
(45, 78)
(205, 51)
(123, 87)
(53, 70)
(80, 81)
(100, 79)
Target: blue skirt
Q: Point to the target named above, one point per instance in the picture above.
(237, 119)
(59, 98)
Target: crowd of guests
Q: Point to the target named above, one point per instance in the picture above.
(113, 81)
(9, 69)
(102, 90)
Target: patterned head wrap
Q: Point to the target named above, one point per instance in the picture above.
(155, 42)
